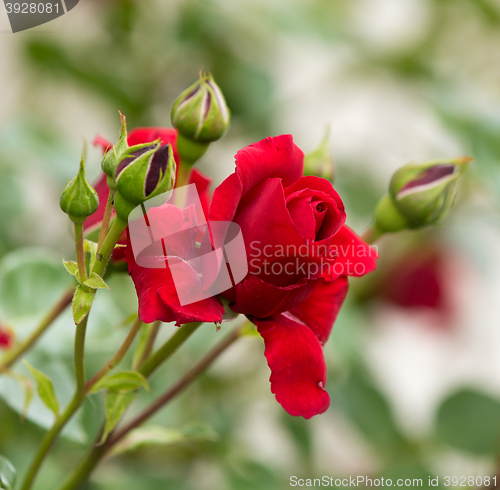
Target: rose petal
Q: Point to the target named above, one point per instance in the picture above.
(303, 217)
(158, 298)
(319, 311)
(168, 136)
(258, 298)
(270, 158)
(276, 252)
(298, 369)
(355, 256)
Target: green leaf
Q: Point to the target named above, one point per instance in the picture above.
(470, 421)
(250, 330)
(82, 302)
(31, 280)
(7, 474)
(144, 437)
(27, 388)
(115, 405)
(96, 282)
(45, 389)
(121, 382)
(72, 267)
(91, 248)
(367, 407)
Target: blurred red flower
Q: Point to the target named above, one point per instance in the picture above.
(6, 338)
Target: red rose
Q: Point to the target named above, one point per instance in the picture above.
(136, 137)
(299, 253)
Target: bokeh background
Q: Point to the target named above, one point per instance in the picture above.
(414, 358)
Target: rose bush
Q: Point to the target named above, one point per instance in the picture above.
(299, 254)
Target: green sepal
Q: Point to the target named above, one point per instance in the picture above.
(45, 389)
(422, 194)
(200, 113)
(320, 161)
(388, 219)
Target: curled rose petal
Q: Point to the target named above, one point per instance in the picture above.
(298, 369)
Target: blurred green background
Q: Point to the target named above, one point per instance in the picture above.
(414, 364)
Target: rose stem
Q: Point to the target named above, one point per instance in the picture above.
(168, 348)
(114, 234)
(120, 353)
(148, 346)
(91, 460)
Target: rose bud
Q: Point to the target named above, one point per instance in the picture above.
(201, 116)
(78, 199)
(320, 161)
(420, 194)
(142, 175)
(6, 338)
(118, 152)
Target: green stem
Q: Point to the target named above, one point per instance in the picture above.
(117, 228)
(148, 346)
(372, 234)
(72, 407)
(14, 354)
(81, 474)
(114, 234)
(80, 254)
(183, 177)
(168, 348)
(105, 220)
(182, 384)
(183, 174)
(120, 353)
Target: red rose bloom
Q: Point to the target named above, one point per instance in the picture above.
(299, 254)
(138, 136)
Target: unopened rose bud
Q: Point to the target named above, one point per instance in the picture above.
(78, 199)
(142, 175)
(320, 161)
(117, 153)
(201, 116)
(420, 194)
(6, 338)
